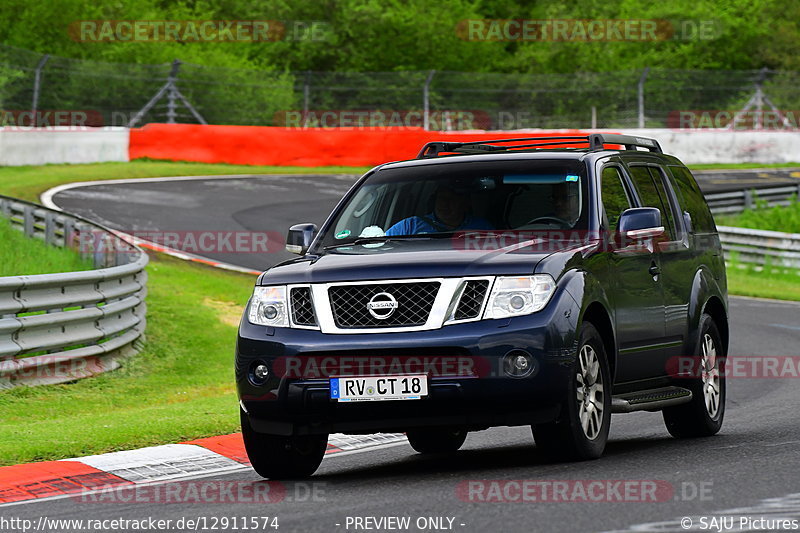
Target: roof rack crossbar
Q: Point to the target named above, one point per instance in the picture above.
(595, 141)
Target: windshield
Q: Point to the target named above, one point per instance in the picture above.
(449, 198)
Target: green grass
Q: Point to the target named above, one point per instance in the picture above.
(774, 283)
(22, 255)
(713, 166)
(28, 182)
(779, 218)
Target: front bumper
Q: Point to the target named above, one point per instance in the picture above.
(298, 402)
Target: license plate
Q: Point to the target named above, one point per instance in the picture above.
(375, 388)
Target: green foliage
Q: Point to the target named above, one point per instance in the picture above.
(779, 218)
(381, 35)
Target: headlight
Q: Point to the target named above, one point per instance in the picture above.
(519, 295)
(268, 307)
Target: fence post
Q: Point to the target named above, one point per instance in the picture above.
(172, 93)
(748, 199)
(641, 96)
(594, 117)
(306, 94)
(426, 101)
(37, 84)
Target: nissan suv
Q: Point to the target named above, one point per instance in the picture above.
(545, 281)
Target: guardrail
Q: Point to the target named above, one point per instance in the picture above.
(738, 201)
(56, 328)
(761, 247)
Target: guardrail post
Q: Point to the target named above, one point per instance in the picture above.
(27, 214)
(748, 199)
(49, 229)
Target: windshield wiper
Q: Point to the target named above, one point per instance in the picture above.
(387, 238)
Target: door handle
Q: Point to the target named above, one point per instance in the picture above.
(654, 270)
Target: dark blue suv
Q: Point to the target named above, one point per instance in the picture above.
(494, 283)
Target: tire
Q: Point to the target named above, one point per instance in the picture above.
(702, 417)
(278, 457)
(581, 430)
(438, 440)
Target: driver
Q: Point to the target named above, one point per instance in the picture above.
(561, 202)
(450, 214)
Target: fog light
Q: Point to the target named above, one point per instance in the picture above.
(259, 373)
(519, 364)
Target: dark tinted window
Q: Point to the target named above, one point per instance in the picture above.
(693, 201)
(615, 198)
(659, 178)
(652, 197)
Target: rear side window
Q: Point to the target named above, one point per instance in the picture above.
(692, 200)
(614, 196)
(654, 196)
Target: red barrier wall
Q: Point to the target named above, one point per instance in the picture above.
(259, 145)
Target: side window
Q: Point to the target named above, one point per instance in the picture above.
(615, 198)
(693, 201)
(650, 196)
(659, 178)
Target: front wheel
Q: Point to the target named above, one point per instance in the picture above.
(702, 416)
(278, 457)
(581, 430)
(437, 440)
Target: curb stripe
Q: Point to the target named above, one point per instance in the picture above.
(52, 478)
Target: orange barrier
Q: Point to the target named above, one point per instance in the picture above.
(311, 147)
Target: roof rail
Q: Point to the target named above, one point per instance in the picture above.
(594, 141)
(630, 142)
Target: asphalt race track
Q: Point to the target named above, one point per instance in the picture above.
(756, 456)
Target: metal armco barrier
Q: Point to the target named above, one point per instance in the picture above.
(738, 201)
(761, 247)
(56, 328)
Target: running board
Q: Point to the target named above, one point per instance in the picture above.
(650, 400)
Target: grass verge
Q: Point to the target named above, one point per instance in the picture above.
(22, 255)
(779, 218)
(180, 387)
(742, 166)
(780, 284)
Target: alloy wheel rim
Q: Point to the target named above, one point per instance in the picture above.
(590, 392)
(712, 391)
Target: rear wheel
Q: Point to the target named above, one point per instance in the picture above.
(278, 457)
(436, 440)
(581, 430)
(702, 417)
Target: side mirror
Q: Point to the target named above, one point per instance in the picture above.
(641, 223)
(299, 238)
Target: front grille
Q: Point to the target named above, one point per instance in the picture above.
(302, 308)
(414, 304)
(469, 306)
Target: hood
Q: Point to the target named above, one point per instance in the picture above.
(413, 259)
